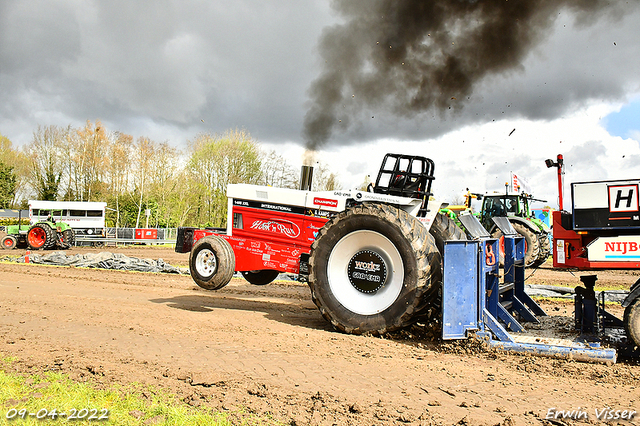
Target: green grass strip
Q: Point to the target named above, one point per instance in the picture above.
(24, 399)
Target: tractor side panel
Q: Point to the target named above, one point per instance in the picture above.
(255, 255)
(272, 236)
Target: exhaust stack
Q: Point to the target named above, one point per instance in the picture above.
(306, 178)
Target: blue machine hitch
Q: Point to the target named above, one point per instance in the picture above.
(475, 302)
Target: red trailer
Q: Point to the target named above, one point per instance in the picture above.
(602, 231)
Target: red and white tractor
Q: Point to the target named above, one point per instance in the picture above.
(372, 259)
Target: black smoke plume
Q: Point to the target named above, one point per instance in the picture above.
(411, 56)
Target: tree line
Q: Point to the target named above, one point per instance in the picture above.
(178, 187)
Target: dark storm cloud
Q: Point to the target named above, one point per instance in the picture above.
(167, 63)
(400, 62)
(167, 69)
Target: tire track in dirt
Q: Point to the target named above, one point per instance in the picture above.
(268, 348)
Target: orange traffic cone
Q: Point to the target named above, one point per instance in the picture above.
(26, 256)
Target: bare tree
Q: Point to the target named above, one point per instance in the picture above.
(324, 179)
(91, 144)
(20, 165)
(276, 172)
(45, 161)
(215, 162)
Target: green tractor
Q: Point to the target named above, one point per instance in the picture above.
(516, 208)
(455, 210)
(47, 234)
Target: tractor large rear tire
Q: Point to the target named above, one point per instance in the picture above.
(67, 240)
(443, 229)
(632, 323)
(372, 267)
(545, 248)
(531, 245)
(40, 236)
(212, 262)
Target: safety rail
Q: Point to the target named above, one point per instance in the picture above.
(115, 236)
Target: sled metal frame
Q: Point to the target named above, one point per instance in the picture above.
(472, 281)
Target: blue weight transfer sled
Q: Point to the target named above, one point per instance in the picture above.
(475, 302)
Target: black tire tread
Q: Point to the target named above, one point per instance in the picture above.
(545, 248)
(428, 268)
(632, 323)
(68, 239)
(444, 228)
(532, 253)
(226, 262)
(50, 239)
(10, 238)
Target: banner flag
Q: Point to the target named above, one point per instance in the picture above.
(519, 184)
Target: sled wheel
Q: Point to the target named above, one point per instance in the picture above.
(67, 239)
(632, 322)
(9, 242)
(212, 262)
(260, 277)
(39, 236)
(371, 267)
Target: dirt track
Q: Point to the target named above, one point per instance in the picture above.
(268, 350)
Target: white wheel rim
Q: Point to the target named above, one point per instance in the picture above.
(337, 272)
(206, 263)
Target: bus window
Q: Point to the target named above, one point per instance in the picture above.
(41, 213)
(76, 213)
(56, 213)
(94, 213)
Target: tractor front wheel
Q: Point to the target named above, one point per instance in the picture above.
(212, 262)
(40, 236)
(371, 269)
(262, 277)
(632, 322)
(9, 242)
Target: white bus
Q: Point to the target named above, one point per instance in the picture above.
(85, 217)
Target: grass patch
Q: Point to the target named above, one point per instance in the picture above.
(24, 398)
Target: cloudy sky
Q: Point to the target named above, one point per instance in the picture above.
(482, 87)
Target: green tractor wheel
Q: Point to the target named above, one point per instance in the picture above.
(40, 236)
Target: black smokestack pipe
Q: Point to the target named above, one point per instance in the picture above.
(306, 178)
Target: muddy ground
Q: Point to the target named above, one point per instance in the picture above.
(266, 350)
